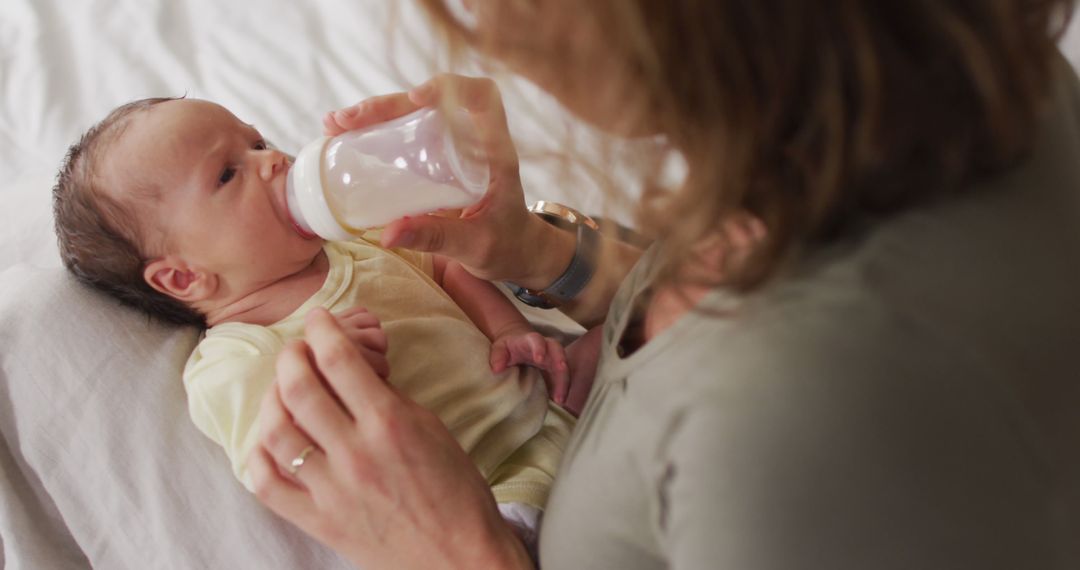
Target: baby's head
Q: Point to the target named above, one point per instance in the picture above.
(176, 207)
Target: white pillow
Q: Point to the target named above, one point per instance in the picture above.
(99, 464)
(26, 224)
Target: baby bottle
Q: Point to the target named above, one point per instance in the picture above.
(339, 186)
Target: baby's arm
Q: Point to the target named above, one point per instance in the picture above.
(513, 339)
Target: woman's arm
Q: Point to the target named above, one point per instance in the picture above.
(388, 486)
(614, 261)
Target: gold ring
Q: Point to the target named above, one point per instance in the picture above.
(298, 461)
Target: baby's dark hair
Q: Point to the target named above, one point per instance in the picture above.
(98, 235)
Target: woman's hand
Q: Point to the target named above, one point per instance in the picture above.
(386, 485)
(495, 239)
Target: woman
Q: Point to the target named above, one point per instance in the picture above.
(883, 377)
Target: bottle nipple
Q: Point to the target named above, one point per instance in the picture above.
(299, 223)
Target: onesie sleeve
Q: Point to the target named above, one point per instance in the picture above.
(226, 378)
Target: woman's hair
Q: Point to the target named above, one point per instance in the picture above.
(810, 115)
(100, 240)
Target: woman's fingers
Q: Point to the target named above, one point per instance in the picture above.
(278, 436)
(331, 128)
(286, 459)
(480, 96)
(276, 491)
(459, 239)
(305, 400)
(368, 112)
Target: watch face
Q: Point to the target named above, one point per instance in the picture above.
(560, 215)
(556, 221)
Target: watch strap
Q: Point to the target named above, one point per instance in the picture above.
(573, 280)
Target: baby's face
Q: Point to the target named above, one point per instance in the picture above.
(220, 193)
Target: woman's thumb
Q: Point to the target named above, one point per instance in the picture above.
(435, 234)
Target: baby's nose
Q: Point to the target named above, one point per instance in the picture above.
(272, 164)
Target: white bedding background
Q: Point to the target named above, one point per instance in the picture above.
(277, 64)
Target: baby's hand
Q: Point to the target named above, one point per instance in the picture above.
(364, 330)
(526, 346)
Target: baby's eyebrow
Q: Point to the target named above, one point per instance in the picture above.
(254, 128)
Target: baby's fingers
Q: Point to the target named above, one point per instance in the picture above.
(558, 371)
(500, 357)
(358, 319)
(363, 329)
(379, 364)
(537, 345)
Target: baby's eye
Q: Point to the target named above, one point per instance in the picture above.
(226, 175)
(260, 145)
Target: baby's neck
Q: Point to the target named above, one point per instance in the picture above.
(272, 303)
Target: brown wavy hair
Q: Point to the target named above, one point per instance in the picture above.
(812, 116)
(101, 242)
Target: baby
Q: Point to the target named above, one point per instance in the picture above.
(176, 207)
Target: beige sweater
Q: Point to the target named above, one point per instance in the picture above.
(906, 399)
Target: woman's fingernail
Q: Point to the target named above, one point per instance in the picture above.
(420, 92)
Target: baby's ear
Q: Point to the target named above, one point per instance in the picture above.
(172, 276)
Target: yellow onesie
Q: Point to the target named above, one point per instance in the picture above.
(437, 356)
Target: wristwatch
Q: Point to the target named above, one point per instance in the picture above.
(582, 265)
